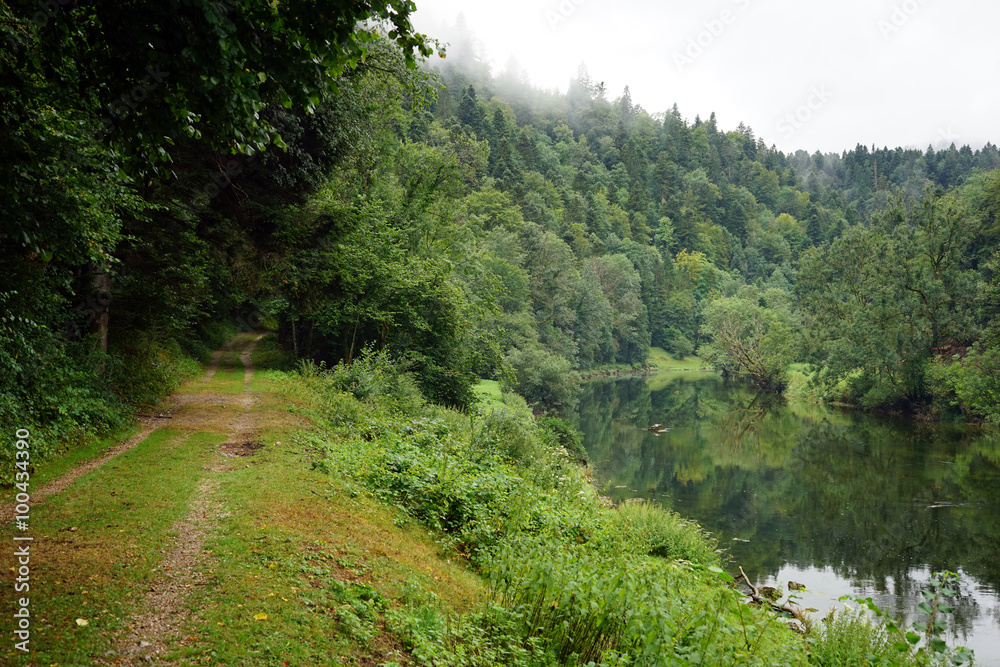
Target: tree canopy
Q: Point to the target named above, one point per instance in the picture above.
(304, 162)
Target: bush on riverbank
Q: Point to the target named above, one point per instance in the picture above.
(967, 387)
(850, 638)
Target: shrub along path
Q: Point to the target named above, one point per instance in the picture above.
(205, 538)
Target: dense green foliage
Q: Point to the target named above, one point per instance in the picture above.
(226, 160)
(115, 256)
(571, 580)
(886, 296)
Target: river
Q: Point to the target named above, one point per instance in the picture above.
(838, 500)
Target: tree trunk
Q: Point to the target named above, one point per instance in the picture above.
(99, 306)
(354, 338)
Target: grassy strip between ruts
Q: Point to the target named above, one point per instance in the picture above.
(91, 449)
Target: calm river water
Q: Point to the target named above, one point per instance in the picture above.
(841, 501)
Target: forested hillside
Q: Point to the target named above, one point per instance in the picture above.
(471, 225)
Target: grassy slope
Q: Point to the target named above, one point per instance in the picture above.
(661, 360)
(288, 535)
(489, 394)
(658, 360)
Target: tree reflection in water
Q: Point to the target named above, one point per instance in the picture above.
(869, 504)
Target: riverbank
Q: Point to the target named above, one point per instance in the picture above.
(569, 579)
(836, 500)
(273, 517)
(658, 360)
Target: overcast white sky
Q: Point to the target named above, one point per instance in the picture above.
(803, 74)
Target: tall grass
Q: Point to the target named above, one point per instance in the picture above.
(660, 532)
(851, 638)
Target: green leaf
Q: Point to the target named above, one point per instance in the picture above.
(912, 637)
(938, 645)
(963, 656)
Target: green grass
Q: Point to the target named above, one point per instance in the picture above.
(324, 563)
(658, 360)
(269, 355)
(489, 394)
(60, 464)
(852, 638)
(661, 532)
(97, 545)
(661, 360)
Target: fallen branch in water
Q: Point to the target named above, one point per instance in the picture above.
(760, 599)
